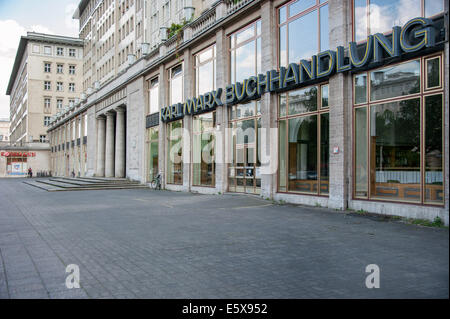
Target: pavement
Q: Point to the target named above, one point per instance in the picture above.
(140, 243)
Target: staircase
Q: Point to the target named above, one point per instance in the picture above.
(57, 184)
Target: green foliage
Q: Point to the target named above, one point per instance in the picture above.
(437, 222)
(175, 29)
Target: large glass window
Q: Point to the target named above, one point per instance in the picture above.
(246, 52)
(205, 67)
(175, 152)
(373, 16)
(303, 27)
(152, 152)
(204, 149)
(153, 96)
(304, 141)
(245, 119)
(398, 142)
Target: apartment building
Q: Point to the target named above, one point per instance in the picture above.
(322, 103)
(115, 31)
(46, 77)
(4, 131)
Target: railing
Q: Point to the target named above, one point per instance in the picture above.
(234, 5)
(172, 43)
(203, 22)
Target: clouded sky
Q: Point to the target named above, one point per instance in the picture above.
(19, 16)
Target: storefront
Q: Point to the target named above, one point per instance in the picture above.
(341, 104)
(15, 162)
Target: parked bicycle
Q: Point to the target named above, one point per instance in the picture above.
(156, 182)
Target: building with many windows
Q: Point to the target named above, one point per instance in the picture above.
(4, 131)
(46, 78)
(342, 104)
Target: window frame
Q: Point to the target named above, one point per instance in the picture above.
(422, 95)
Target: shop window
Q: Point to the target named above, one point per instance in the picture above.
(204, 149)
(394, 81)
(304, 141)
(378, 16)
(303, 30)
(433, 73)
(398, 143)
(175, 152)
(152, 153)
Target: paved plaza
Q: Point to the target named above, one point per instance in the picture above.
(139, 243)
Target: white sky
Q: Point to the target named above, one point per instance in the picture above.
(19, 16)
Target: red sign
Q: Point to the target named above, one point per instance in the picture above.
(24, 154)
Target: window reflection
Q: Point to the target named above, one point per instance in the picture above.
(395, 150)
(398, 80)
(304, 33)
(303, 100)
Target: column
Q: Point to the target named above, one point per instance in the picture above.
(120, 143)
(340, 98)
(100, 171)
(109, 147)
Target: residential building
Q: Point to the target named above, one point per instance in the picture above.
(4, 131)
(322, 103)
(46, 76)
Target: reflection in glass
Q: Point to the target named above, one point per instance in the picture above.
(203, 149)
(282, 157)
(154, 96)
(434, 189)
(303, 100)
(384, 14)
(324, 95)
(245, 61)
(175, 153)
(282, 111)
(433, 73)
(303, 37)
(361, 178)
(282, 14)
(245, 35)
(302, 174)
(152, 148)
(395, 150)
(176, 85)
(299, 6)
(398, 80)
(433, 7)
(360, 20)
(205, 75)
(361, 88)
(324, 41)
(324, 152)
(245, 110)
(283, 53)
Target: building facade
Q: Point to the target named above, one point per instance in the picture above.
(285, 100)
(46, 77)
(4, 131)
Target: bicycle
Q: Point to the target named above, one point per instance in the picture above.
(156, 182)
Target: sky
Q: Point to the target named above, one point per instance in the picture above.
(19, 16)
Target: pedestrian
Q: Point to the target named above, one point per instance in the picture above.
(30, 173)
(73, 173)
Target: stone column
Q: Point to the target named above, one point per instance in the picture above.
(109, 147)
(100, 171)
(268, 134)
(340, 110)
(222, 111)
(120, 143)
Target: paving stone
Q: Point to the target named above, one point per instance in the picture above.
(130, 244)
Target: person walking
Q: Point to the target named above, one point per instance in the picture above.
(30, 173)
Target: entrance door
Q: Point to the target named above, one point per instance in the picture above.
(244, 170)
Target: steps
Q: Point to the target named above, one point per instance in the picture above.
(55, 184)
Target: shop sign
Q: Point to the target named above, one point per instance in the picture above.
(22, 154)
(416, 34)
